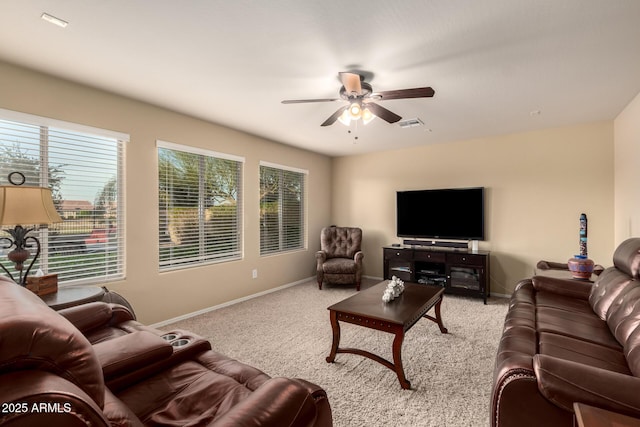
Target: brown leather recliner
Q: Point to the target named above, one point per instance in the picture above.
(567, 341)
(339, 259)
(133, 375)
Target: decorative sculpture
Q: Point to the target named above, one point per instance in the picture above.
(581, 266)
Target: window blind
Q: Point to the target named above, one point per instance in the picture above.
(83, 166)
(282, 208)
(200, 206)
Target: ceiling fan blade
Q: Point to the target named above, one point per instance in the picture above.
(332, 119)
(351, 83)
(383, 113)
(301, 101)
(419, 92)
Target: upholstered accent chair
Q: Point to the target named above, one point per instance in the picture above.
(339, 259)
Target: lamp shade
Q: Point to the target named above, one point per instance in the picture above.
(26, 205)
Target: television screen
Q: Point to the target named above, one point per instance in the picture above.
(455, 213)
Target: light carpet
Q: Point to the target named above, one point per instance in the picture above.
(287, 333)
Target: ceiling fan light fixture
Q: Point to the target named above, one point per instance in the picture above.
(355, 111)
(345, 118)
(367, 116)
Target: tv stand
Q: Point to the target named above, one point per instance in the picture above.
(461, 272)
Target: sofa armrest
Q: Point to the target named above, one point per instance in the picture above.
(566, 287)
(278, 402)
(131, 352)
(324, 417)
(358, 257)
(95, 314)
(564, 382)
(27, 390)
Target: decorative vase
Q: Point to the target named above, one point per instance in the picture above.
(581, 267)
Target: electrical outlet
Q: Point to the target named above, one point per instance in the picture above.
(254, 273)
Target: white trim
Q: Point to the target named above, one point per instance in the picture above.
(34, 120)
(228, 303)
(287, 168)
(195, 150)
(493, 294)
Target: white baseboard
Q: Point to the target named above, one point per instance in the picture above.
(493, 294)
(228, 303)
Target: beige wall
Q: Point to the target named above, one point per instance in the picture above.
(627, 171)
(537, 185)
(159, 296)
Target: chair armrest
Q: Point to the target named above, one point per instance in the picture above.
(28, 389)
(358, 256)
(566, 287)
(564, 382)
(95, 314)
(321, 257)
(131, 352)
(120, 314)
(278, 402)
(87, 316)
(324, 417)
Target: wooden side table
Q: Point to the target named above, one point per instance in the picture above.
(590, 416)
(561, 274)
(73, 295)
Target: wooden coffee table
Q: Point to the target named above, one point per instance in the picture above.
(367, 309)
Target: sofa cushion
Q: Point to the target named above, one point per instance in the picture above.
(339, 266)
(606, 289)
(627, 257)
(624, 314)
(597, 333)
(560, 315)
(584, 352)
(632, 352)
(549, 299)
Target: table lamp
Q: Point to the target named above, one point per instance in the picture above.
(21, 204)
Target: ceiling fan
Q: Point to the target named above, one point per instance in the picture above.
(360, 97)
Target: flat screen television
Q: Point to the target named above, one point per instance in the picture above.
(451, 213)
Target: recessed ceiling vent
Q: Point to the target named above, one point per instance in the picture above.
(410, 123)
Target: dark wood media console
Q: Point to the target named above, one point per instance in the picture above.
(461, 272)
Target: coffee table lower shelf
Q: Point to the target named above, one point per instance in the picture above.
(397, 317)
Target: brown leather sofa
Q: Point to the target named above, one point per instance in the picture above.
(130, 374)
(567, 341)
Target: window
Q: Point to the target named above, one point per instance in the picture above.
(282, 208)
(200, 206)
(83, 166)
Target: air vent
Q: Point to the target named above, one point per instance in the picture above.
(410, 123)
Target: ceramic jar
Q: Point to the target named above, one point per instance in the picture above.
(581, 267)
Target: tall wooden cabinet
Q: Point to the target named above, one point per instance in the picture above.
(460, 272)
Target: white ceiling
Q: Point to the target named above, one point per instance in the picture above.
(492, 63)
